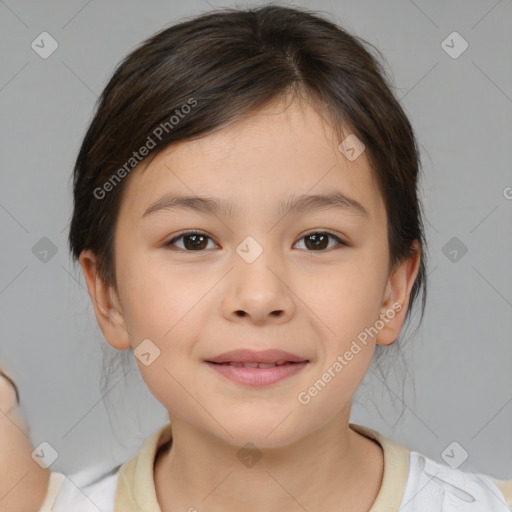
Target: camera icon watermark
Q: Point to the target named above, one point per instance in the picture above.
(454, 455)
(44, 250)
(454, 45)
(44, 45)
(454, 249)
(146, 352)
(249, 455)
(45, 454)
(351, 147)
(249, 249)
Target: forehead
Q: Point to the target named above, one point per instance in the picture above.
(283, 149)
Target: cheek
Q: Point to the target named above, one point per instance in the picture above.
(156, 295)
(348, 295)
(348, 304)
(161, 305)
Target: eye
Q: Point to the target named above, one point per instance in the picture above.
(192, 241)
(319, 240)
(195, 241)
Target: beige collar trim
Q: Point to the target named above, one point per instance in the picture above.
(136, 487)
(396, 471)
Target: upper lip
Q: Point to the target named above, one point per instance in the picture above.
(251, 356)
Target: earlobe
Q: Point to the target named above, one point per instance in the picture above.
(396, 297)
(106, 304)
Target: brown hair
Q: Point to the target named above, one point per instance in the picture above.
(205, 72)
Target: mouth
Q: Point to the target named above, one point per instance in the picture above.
(257, 364)
(252, 368)
(252, 359)
(257, 374)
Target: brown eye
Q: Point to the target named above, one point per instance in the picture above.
(192, 241)
(319, 240)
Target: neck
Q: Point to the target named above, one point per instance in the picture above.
(334, 468)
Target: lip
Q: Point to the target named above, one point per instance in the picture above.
(251, 356)
(257, 376)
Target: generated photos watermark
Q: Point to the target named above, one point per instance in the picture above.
(304, 397)
(137, 156)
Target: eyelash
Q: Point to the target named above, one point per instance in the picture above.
(186, 233)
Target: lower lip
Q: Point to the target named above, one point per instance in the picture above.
(257, 376)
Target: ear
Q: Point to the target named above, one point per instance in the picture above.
(396, 297)
(107, 306)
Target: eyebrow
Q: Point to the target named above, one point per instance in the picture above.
(294, 205)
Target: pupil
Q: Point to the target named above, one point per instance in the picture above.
(195, 239)
(319, 241)
(316, 237)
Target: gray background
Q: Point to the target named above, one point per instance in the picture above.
(458, 385)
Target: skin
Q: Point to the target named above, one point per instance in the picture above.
(195, 305)
(23, 483)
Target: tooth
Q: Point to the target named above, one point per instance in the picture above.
(251, 365)
(266, 365)
(239, 365)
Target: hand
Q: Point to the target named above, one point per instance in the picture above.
(23, 483)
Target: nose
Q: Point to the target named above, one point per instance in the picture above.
(259, 292)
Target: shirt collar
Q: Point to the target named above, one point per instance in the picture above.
(136, 486)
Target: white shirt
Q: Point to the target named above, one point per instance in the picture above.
(411, 483)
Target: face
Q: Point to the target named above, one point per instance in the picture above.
(199, 282)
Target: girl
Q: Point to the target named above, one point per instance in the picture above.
(247, 220)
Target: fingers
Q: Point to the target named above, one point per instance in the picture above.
(5, 376)
(23, 483)
(9, 395)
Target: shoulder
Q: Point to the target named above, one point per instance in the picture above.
(74, 492)
(432, 486)
(505, 487)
